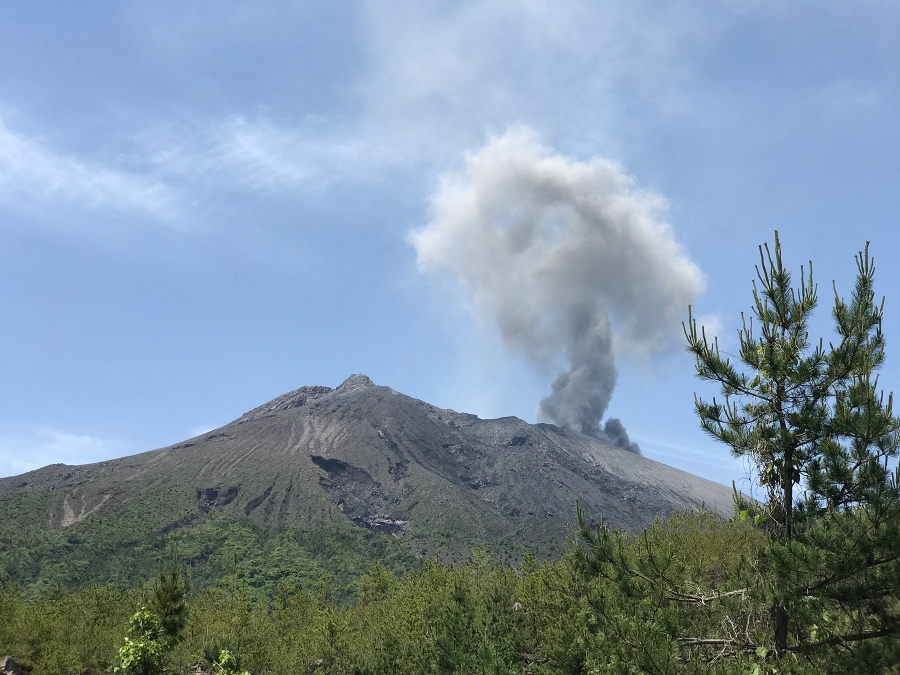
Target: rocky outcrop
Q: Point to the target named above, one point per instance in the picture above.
(293, 399)
(199, 668)
(9, 666)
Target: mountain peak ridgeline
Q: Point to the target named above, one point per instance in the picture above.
(363, 455)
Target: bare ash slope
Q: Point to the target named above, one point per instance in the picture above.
(367, 455)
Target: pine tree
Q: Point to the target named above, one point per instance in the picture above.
(167, 599)
(820, 437)
(817, 588)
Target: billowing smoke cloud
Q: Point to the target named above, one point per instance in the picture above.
(569, 259)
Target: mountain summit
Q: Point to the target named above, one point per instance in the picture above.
(366, 456)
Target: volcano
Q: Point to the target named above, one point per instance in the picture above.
(366, 456)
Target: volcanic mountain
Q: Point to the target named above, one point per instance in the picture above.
(366, 456)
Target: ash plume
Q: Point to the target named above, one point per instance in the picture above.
(570, 259)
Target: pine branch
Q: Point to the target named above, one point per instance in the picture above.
(703, 599)
(717, 642)
(877, 562)
(845, 639)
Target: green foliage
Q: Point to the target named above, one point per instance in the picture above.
(40, 560)
(614, 604)
(143, 651)
(66, 632)
(651, 598)
(155, 630)
(226, 664)
(482, 616)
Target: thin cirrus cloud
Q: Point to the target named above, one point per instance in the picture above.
(231, 154)
(711, 463)
(435, 82)
(438, 81)
(33, 175)
(235, 153)
(259, 155)
(564, 67)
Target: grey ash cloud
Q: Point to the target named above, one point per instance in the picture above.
(569, 259)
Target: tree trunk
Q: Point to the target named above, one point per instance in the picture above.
(788, 487)
(780, 623)
(779, 611)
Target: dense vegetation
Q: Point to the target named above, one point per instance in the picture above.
(43, 561)
(807, 581)
(478, 617)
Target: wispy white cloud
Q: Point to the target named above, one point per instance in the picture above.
(442, 73)
(258, 154)
(33, 175)
(436, 79)
(439, 79)
(49, 446)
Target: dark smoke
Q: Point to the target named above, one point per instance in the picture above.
(613, 432)
(582, 393)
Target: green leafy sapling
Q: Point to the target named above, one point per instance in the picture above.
(143, 651)
(227, 664)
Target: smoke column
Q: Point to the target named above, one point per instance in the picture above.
(569, 259)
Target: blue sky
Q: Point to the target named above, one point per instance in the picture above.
(204, 205)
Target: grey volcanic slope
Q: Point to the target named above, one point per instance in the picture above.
(367, 455)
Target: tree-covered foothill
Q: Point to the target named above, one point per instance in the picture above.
(805, 580)
(42, 560)
(479, 617)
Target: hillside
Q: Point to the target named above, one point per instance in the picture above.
(360, 461)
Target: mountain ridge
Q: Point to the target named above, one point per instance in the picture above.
(366, 456)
